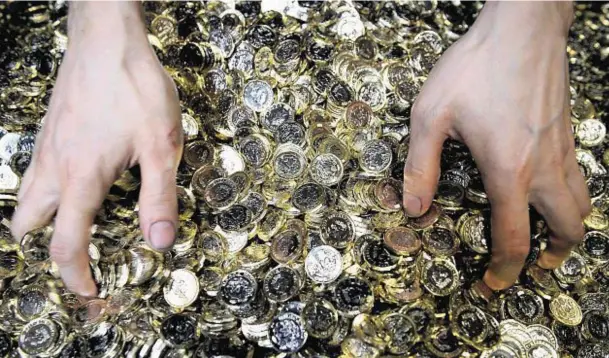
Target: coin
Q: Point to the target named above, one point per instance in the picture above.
(38, 336)
(221, 193)
(258, 95)
(287, 332)
(182, 289)
(32, 302)
(281, 284)
(287, 246)
(541, 349)
(402, 333)
(353, 296)
(179, 330)
(289, 161)
(308, 197)
(595, 246)
(337, 229)
(542, 333)
(565, 310)
(439, 277)
(376, 156)
(276, 115)
(439, 241)
(591, 132)
(326, 169)
(572, 269)
(596, 220)
(427, 219)
(402, 241)
(595, 326)
(323, 264)
(320, 318)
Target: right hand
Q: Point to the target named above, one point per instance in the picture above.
(502, 89)
(112, 107)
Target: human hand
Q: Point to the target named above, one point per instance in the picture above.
(112, 107)
(503, 90)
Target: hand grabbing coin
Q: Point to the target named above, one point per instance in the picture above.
(502, 89)
(113, 107)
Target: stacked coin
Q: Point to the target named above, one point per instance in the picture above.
(292, 239)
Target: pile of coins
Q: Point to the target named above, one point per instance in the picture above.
(293, 240)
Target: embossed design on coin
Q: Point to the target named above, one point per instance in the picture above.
(323, 264)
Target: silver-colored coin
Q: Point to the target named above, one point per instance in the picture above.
(326, 169)
(541, 349)
(376, 156)
(323, 264)
(223, 41)
(255, 149)
(9, 145)
(542, 333)
(258, 95)
(289, 162)
(190, 126)
(9, 181)
(276, 115)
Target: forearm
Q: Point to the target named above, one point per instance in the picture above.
(114, 25)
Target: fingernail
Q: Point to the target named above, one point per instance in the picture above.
(162, 235)
(412, 205)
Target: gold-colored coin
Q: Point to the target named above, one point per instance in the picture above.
(566, 310)
(402, 241)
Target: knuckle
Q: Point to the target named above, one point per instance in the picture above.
(413, 170)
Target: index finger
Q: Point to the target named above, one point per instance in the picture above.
(510, 230)
(69, 245)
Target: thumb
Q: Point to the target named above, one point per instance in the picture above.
(422, 168)
(158, 202)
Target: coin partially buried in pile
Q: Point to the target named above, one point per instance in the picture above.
(292, 238)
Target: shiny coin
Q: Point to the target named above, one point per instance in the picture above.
(180, 330)
(237, 288)
(281, 283)
(320, 318)
(565, 310)
(402, 241)
(440, 277)
(591, 132)
(38, 336)
(427, 219)
(378, 257)
(541, 349)
(221, 193)
(257, 205)
(337, 229)
(9, 181)
(287, 332)
(214, 245)
(32, 302)
(439, 241)
(442, 343)
(289, 162)
(376, 156)
(358, 115)
(182, 289)
(235, 218)
(595, 246)
(275, 116)
(402, 333)
(595, 326)
(543, 333)
(198, 154)
(353, 296)
(323, 264)
(572, 269)
(326, 169)
(524, 306)
(258, 95)
(309, 197)
(287, 246)
(255, 149)
(9, 145)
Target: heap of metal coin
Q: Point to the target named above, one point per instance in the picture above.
(292, 236)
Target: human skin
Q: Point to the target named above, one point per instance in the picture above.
(503, 90)
(113, 106)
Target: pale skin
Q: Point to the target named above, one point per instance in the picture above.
(502, 90)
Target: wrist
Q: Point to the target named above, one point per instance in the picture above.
(532, 20)
(111, 26)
